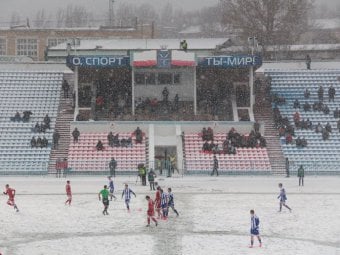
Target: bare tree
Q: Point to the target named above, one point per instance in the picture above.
(40, 19)
(73, 16)
(15, 19)
(125, 14)
(271, 21)
(146, 13)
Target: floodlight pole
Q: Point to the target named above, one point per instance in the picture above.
(253, 43)
(111, 2)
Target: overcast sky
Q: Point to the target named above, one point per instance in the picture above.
(29, 7)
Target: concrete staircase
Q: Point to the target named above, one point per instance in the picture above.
(65, 116)
(264, 115)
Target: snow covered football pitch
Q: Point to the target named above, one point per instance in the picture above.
(214, 217)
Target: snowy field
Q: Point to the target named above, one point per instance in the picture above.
(214, 218)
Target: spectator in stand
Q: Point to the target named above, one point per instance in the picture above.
(309, 124)
(37, 128)
(325, 134)
(232, 150)
(110, 139)
(328, 127)
(263, 142)
(39, 143)
(44, 142)
(206, 147)
(26, 116)
(112, 166)
(42, 127)
(296, 118)
(210, 134)
(17, 117)
(289, 139)
(123, 143)
(56, 137)
(336, 113)
(211, 146)
(139, 135)
(282, 131)
(331, 93)
(296, 104)
(129, 142)
(325, 109)
(320, 93)
(100, 146)
(116, 142)
(306, 107)
(338, 125)
(303, 142)
(47, 121)
(75, 135)
(306, 93)
(165, 94)
(308, 62)
(298, 142)
(257, 126)
(204, 134)
(318, 128)
(33, 142)
(66, 88)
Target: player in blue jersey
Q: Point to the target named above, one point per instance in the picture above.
(283, 198)
(111, 188)
(164, 204)
(127, 196)
(171, 201)
(254, 229)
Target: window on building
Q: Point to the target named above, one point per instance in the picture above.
(164, 78)
(140, 78)
(177, 78)
(55, 41)
(3, 46)
(150, 78)
(27, 47)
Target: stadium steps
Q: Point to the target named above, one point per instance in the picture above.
(64, 118)
(264, 115)
(147, 162)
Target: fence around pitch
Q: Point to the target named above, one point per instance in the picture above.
(165, 168)
(315, 167)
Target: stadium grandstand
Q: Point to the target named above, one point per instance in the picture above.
(156, 104)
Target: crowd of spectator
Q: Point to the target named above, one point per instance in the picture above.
(114, 141)
(41, 128)
(39, 142)
(233, 140)
(25, 116)
(286, 130)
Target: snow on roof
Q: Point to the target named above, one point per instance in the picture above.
(298, 66)
(35, 67)
(145, 44)
(326, 23)
(69, 28)
(191, 30)
(305, 47)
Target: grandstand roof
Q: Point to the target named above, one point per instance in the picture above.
(145, 44)
(301, 65)
(35, 67)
